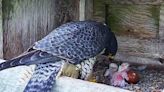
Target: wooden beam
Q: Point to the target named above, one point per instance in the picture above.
(21, 75)
(1, 31)
(82, 10)
(161, 32)
(66, 84)
(132, 2)
(89, 10)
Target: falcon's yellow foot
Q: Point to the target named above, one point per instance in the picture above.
(92, 78)
(70, 70)
(110, 56)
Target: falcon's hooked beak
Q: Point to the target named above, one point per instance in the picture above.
(110, 56)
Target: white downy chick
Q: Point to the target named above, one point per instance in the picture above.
(118, 78)
(112, 69)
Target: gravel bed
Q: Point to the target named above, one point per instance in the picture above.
(150, 80)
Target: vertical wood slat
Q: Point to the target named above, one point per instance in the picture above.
(136, 2)
(1, 31)
(82, 10)
(89, 10)
(26, 21)
(86, 10)
(161, 32)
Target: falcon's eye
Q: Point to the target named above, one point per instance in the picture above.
(110, 56)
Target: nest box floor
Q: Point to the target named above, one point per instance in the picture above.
(150, 80)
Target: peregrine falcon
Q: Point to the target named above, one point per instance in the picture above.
(77, 43)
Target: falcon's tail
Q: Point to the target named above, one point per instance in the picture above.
(44, 77)
(32, 57)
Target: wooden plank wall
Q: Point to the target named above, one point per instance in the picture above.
(82, 10)
(161, 33)
(26, 21)
(88, 9)
(1, 32)
(137, 26)
(132, 2)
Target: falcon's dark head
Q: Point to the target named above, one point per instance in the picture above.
(112, 46)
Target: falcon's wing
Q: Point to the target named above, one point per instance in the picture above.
(75, 41)
(44, 77)
(33, 57)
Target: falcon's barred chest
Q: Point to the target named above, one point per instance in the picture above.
(86, 67)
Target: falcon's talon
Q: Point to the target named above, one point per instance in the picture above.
(92, 79)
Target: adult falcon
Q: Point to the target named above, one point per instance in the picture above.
(76, 43)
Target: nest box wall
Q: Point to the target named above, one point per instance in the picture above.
(1, 32)
(138, 24)
(26, 21)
